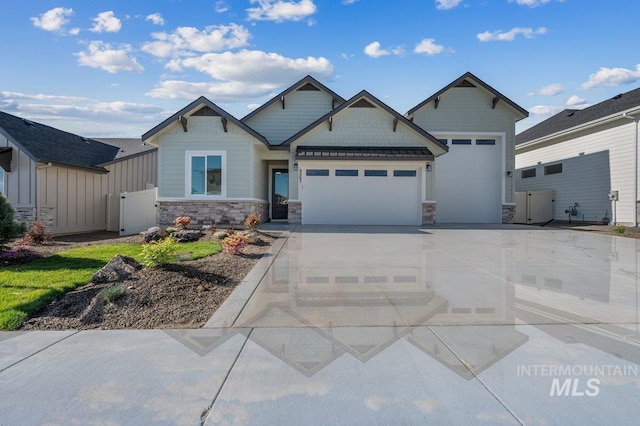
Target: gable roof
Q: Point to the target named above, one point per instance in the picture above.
(377, 102)
(128, 147)
(461, 80)
(570, 118)
(306, 80)
(49, 145)
(202, 101)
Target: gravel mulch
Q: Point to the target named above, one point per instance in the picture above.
(178, 295)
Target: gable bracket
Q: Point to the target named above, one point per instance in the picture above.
(224, 123)
(183, 120)
(494, 102)
(436, 101)
(330, 123)
(395, 124)
(282, 100)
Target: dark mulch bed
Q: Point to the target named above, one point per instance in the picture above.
(179, 295)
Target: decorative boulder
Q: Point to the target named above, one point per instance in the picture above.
(187, 236)
(250, 236)
(119, 268)
(220, 235)
(154, 234)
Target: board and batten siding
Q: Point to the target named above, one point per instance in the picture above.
(366, 127)
(301, 109)
(260, 176)
(74, 200)
(469, 110)
(205, 134)
(20, 184)
(593, 163)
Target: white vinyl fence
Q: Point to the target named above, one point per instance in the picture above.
(137, 211)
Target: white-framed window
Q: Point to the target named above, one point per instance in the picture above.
(206, 174)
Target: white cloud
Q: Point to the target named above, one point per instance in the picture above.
(54, 19)
(511, 34)
(106, 21)
(155, 18)
(349, 1)
(375, 50)
(530, 3)
(428, 47)
(74, 31)
(41, 97)
(576, 100)
(427, 405)
(221, 7)
(253, 106)
(186, 40)
(550, 90)
(612, 77)
(103, 56)
(545, 109)
(280, 11)
(447, 4)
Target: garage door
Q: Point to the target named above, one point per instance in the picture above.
(469, 181)
(340, 194)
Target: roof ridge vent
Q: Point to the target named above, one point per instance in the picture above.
(571, 114)
(28, 122)
(617, 96)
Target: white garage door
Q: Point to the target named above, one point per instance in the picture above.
(342, 194)
(469, 181)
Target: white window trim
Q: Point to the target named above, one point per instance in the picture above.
(187, 172)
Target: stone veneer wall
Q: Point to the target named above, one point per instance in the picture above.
(47, 215)
(508, 213)
(295, 212)
(208, 212)
(428, 213)
(25, 214)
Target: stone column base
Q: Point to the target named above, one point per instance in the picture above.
(295, 212)
(25, 214)
(428, 213)
(508, 213)
(211, 212)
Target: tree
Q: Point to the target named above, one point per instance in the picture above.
(9, 226)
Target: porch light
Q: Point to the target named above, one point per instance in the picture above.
(509, 173)
(295, 166)
(428, 167)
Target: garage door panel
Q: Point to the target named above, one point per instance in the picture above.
(361, 200)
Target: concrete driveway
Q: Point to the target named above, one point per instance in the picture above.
(368, 325)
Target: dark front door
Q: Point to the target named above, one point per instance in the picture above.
(280, 194)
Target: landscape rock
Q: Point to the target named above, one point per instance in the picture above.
(119, 268)
(220, 234)
(154, 234)
(251, 237)
(187, 236)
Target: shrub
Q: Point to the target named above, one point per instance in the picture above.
(159, 252)
(36, 234)
(9, 227)
(113, 292)
(252, 221)
(182, 222)
(234, 243)
(619, 229)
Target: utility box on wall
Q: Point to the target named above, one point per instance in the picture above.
(535, 206)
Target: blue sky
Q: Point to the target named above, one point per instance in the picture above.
(117, 68)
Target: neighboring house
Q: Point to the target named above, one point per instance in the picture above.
(69, 182)
(583, 155)
(309, 156)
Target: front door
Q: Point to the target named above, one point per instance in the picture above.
(280, 194)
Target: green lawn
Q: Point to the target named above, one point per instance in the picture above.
(24, 289)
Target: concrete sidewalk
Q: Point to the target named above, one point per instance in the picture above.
(367, 326)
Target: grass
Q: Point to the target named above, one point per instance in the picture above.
(25, 289)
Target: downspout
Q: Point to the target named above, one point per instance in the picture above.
(635, 168)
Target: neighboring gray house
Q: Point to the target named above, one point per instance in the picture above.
(583, 155)
(310, 156)
(70, 183)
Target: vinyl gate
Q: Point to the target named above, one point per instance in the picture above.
(137, 211)
(535, 206)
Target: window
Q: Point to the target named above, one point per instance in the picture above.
(460, 141)
(404, 173)
(444, 141)
(317, 172)
(206, 175)
(378, 173)
(529, 173)
(485, 141)
(346, 173)
(553, 169)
